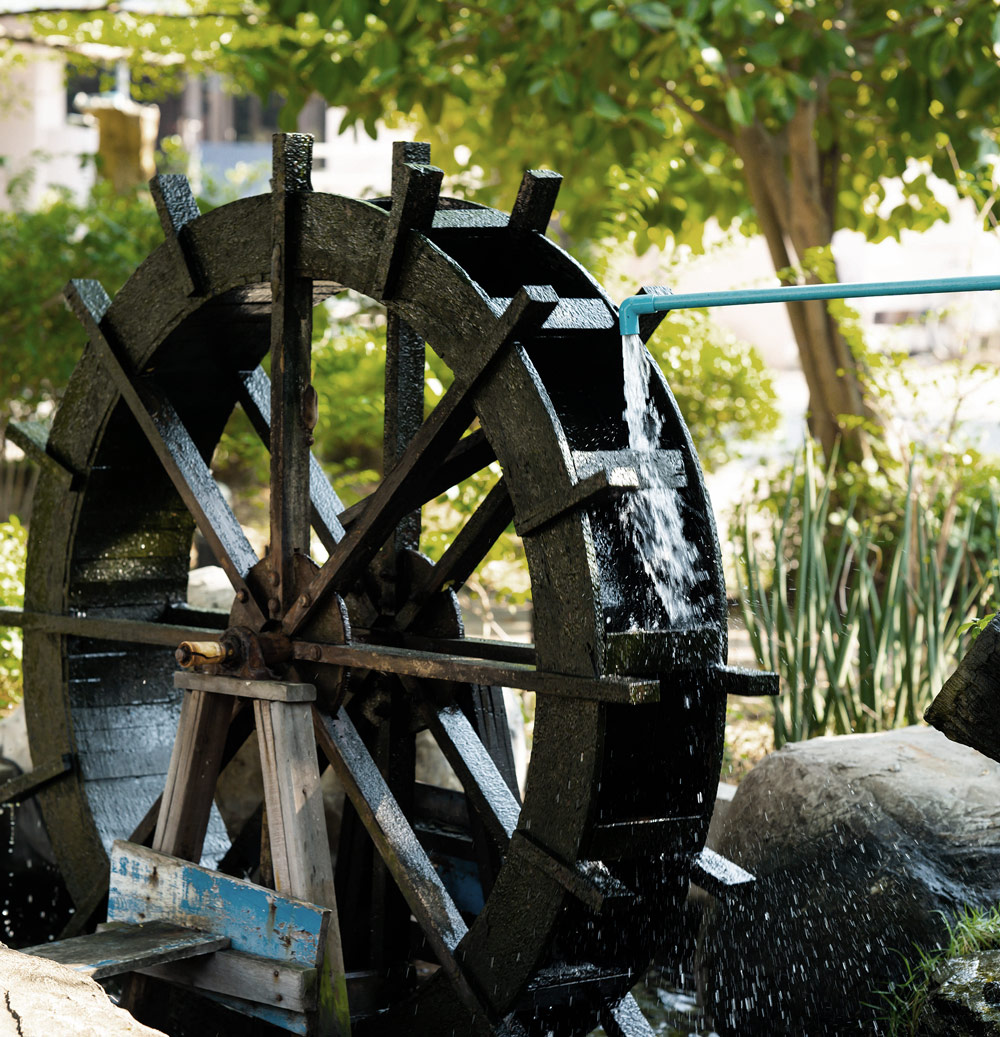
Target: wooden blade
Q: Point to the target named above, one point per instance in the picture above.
(172, 444)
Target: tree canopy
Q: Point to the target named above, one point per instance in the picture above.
(779, 116)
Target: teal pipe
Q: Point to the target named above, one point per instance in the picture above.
(636, 305)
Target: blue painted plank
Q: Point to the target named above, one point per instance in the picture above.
(146, 885)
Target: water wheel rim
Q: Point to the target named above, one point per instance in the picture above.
(231, 245)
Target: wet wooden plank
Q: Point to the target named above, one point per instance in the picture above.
(122, 948)
(484, 785)
(290, 987)
(148, 886)
(625, 1019)
(28, 784)
(292, 395)
(397, 844)
(33, 437)
(171, 441)
(471, 454)
(464, 553)
(436, 666)
(270, 691)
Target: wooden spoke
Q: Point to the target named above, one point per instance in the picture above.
(324, 504)
(128, 631)
(172, 444)
(293, 398)
(387, 504)
(483, 783)
(397, 844)
(472, 647)
(467, 550)
(471, 454)
(526, 313)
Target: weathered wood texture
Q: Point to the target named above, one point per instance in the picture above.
(194, 769)
(122, 947)
(146, 886)
(966, 708)
(286, 986)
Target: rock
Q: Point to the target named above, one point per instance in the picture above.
(42, 999)
(209, 588)
(965, 1003)
(14, 738)
(857, 843)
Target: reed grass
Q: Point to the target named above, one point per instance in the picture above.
(862, 630)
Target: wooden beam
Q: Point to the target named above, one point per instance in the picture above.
(147, 886)
(194, 770)
(120, 947)
(468, 670)
(296, 828)
(293, 398)
(271, 691)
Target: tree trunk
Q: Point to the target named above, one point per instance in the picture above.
(792, 185)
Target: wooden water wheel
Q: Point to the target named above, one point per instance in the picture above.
(572, 890)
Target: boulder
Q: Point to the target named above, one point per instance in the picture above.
(965, 1000)
(42, 999)
(858, 843)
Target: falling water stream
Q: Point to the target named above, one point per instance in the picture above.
(652, 516)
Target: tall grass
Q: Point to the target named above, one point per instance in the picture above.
(862, 633)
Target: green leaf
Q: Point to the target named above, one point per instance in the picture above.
(564, 88)
(606, 107)
(765, 54)
(653, 15)
(353, 12)
(551, 19)
(737, 107)
(603, 19)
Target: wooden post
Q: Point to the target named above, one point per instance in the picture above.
(193, 773)
(300, 852)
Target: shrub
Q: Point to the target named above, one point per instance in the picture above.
(859, 603)
(13, 544)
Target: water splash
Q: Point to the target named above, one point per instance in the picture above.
(652, 517)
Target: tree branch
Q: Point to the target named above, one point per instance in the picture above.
(117, 8)
(92, 51)
(703, 121)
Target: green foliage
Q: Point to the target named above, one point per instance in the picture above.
(105, 238)
(13, 545)
(642, 105)
(971, 931)
(722, 387)
(859, 605)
